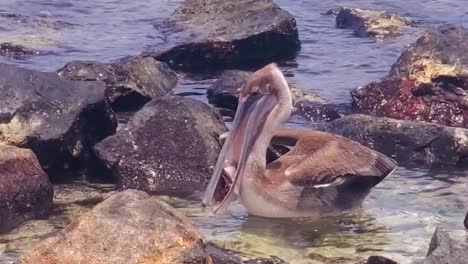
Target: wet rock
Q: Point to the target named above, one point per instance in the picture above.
(25, 190)
(369, 23)
(169, 146)
(222, 256)
(128, 227)
(15, 51)
(59, 120)
(224, 93)
(406, 141)
(224, 34)
(377, 260)
(428, 82)
(466, 221)
(131, 82)
(443, 249)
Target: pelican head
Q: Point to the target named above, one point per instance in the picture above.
(264, 103)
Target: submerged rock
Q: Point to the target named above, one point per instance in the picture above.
(59, 120)
(169, 146)
(15, 51)
(128, 227)
(25, 189)
(406, 141)
(377, 260)
(429, 82)
(222, 256)
(224, 93)
(223, 34)
(131, 82)
(369, 23)
(443, 249)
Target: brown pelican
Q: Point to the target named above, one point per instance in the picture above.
(322, 172)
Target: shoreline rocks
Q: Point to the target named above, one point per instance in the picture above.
(128, 227)
(219, 34)
(59, 120)
(25, 190)
(406, 141)
(170, 146)
(131, 82)
(429, 82)
(443, 249)
(370, 23)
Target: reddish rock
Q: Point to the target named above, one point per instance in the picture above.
(25, 190)
(429, 82)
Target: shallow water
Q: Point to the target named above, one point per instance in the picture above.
(399, 215)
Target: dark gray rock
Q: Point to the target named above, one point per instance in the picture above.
(15, 51)
(220, 34)
(59, 120)
(131, 82)
(129, 227)
(443, 249)
(377, 260)
(224, 93)
(169, 146)
(429, 82)
(25, 189)
(466, 221)
(222, 256)
(406, 141)
(369, 23)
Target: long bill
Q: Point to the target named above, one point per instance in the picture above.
(248, 122)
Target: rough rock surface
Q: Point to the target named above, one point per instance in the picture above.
(25, 190)
(429, 81)
(127, 228)
(443, 249)
(406, 141)
(223, 34)
(369, 23)
(169, 146)
(131, 82)
(15, 51)
(59, 120)
(224, 93)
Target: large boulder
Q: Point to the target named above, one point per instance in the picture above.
(221, 34)
(25, 189)
(370, 23)
(169, 146)
(225, 93)
(131, 82)
(406, 141)
(129, 227)
(443, 249)
(429, 82)
(59, 120)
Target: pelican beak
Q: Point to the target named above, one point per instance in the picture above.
(250, 117)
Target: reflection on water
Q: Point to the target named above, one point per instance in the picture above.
(399, 216)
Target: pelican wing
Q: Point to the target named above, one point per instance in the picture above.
(321, 158)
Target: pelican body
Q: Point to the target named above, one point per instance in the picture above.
(321, 173)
